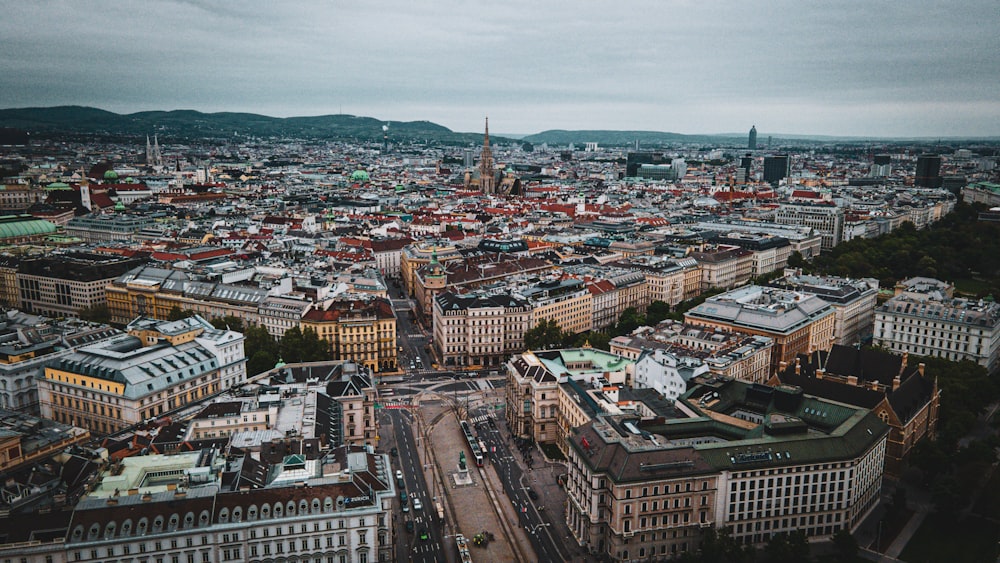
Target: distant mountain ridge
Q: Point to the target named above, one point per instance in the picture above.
(191, 123)
(196, 124)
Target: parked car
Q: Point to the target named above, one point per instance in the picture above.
(417, 505)
(532, 494)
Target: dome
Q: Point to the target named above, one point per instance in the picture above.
(110, 175)
(359, 176)
(119, 206)
(17, 226)
(58, 186)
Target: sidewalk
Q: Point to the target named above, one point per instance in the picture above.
(470, 508)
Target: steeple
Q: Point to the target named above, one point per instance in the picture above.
(487, 179)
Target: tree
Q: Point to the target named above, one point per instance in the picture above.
(260, 361)
(96, 314)
(657, 312)
(795, 260)
(228, 322)
(845, 544)
(303, 346)
(629, 320)
(176, 313)
(546, 334)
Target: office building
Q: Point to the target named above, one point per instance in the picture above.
(776, 168)
(756, 460)
(64, 284)
(928, 173)
(826, 219)
(752, 141)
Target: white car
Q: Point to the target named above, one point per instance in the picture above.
(399, 474)
(417, 505)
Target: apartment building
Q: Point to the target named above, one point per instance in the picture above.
(280, 314)
(194, 510)
(417, 254)
(533, 379)
(60, 285)
(924, 319)
(152, 292)
(725, 353)
(130, 378)
(568, 302)
(770, 253)
(723, 266)
(756, 460)
(479, 329)
(358, 328)
(667, 279)
(853, 302)
(796, 322)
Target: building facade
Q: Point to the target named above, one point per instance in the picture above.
(478, 329)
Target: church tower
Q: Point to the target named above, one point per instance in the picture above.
(487, 174)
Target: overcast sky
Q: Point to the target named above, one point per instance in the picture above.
(898, 68)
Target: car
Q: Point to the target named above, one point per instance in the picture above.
(406, 508)
(424, 536)
(394, 452)
(402, 497)
(412, 366)
(417, 505)
(409, 526)
(399, 474)
(400, 483)
(532, 494)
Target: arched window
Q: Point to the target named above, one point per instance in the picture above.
(126, 528)
(252, 512)
(277, 510)
(158, 524)
(265, 511)
(203, 518)
(95, 529)
(78, 533)
(883, 416)
(224, 515)
(290, 508)
(303, 507)
(189, 519)
(109, 530)
(315, 506)
(237, 514)
(142, 526)
(174, 521)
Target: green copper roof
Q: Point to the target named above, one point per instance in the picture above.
(110, 175)
(359, 176)
(58, 186)
(12, 226)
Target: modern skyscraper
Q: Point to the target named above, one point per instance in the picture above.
(928, 171)
(752, 144)
(881, 166)
(777, 167)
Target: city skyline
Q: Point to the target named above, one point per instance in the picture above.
(919, 69)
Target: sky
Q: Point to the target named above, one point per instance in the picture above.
(910, 68)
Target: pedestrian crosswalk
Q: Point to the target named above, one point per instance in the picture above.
(481, 418)
(397, 404)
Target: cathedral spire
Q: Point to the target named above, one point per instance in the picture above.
(486, 169)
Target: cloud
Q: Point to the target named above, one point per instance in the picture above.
(861, 68)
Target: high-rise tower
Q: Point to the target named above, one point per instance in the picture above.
(752, 142)
(487, 179)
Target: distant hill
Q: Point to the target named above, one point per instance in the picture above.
(193, 124)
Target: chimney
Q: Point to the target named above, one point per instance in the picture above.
(820, 372)
(798, 366)
(895, 382)
(852, 380)
(782, 366)
(920, 368)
